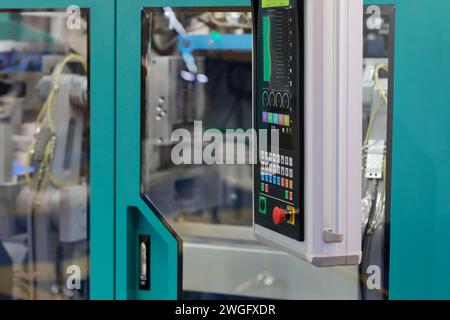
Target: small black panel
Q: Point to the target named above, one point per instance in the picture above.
(144, 262)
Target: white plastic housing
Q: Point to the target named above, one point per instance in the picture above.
(333, 124)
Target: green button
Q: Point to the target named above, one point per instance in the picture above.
(262, 187)
(270, 120)
(262, 205)
(286, 194)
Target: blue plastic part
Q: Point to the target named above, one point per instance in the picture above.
(19, 169)
(188, 44)
(191, 43)
(12, 62)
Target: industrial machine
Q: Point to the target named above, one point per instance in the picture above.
(93, 205)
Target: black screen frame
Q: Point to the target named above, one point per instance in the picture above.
(300, 142)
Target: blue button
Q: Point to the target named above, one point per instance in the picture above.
(275, 118)
(279, 181)
(270, 179)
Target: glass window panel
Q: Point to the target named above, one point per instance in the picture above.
(44, 155)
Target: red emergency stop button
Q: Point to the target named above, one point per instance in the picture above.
(278, 215)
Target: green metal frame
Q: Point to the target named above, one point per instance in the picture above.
(420, 206)
(133, 216)
(102, 68)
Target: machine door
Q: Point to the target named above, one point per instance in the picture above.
(184, 185)
(56, 150)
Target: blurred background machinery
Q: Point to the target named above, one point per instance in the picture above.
(44, 152)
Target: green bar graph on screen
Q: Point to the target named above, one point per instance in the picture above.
(266, 44)
(274, 3)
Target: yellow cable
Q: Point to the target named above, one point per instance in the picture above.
(48, 174)
(28, 154)
(46, 115)
(383, 96)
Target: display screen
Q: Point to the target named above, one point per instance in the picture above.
(279, 98)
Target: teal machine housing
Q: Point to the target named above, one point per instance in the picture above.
(420, 220)
(102, 101)
(419, 242)
(419, 210)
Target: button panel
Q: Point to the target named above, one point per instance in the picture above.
(279, 175)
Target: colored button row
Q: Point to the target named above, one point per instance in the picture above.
(271, 179)
(276, 158)
(277, 119)
(277, 170)
(277, 180)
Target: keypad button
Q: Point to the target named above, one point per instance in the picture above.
(275, 118)
(291, 173)
(291, 162)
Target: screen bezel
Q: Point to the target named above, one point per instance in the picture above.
(299, 147)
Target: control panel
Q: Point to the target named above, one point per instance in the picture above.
(307, 89)
(279, 106)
